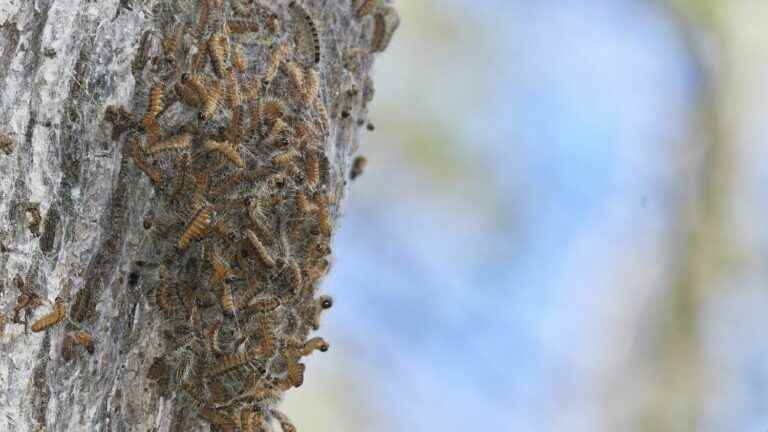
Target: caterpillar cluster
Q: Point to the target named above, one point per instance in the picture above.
(231, 132)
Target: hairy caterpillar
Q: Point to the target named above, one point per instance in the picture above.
(51, 319)
(310, 30)
(197, 227)
(358, 165)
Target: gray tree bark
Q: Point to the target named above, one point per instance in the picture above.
(171, 173)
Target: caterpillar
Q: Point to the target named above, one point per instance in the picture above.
(243, 26)
(153, 173)
(238, 59)
(260, 249)
(365, 8)
(276, 57)
(295, 277)
(314, 344)
(83, 339)
(285, 158)
(227, 150)
(262, 305)
(385, 23)
(197, 227)
(54, 317)
(171, 43)
(310, 30)
(313, 169)
(358, 165)
(177, 142)
(154, 105)
(217, 51)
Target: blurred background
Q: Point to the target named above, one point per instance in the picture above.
(560, 226)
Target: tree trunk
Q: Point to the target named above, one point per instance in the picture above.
(171, 173)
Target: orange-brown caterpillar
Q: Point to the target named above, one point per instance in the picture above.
(226, 299)
(272, 109)
(305, 83)
(252, 90)
(228, 362)
(197, 201)
(260, 249)
(358, 165)
(178, 142)
(295, 74)
(251, 421)
(210, 100)
(323, 214)
(238, 59)
(2, 324)
(53, 318)
(155, 104)
(198, 60)
(171, 43)
(276, 132)
(365, 8)
(22, 302)
(218, 54)
(243, 26)
(295, 376)
(83, 339)
(209, 97)
(227, 150)
(285, 158)
(313, 40)
(268, 344)
(275, 58)
(302, 203)
(233, 92)
(385, 22)
(311, 86)
(313, 169)
(187, 95)
(261, 305)
(316, 343)
(136, 153)
(221, 270)
(295, 277)
(202, 18)
(197, 227)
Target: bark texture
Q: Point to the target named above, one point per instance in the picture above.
(171, 174)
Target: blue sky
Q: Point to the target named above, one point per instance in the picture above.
(467, 278)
